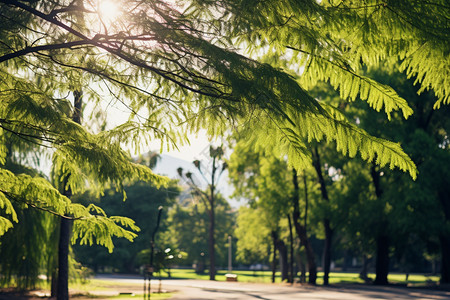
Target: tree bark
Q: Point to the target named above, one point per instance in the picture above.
(444, 237)
(291, 251)
(445, 258)
(382, 261)
(282, 250)
(327, 250)
(212, 242)
(62, 289)
(65, 230)
(302, 269)
(274, 259)
(326, 258)
(301, 232)
(212, 220)
(363, 273)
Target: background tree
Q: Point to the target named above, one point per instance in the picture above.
(268, 185)
(301, 229)
(189, 226)
(143, 201)
(425, 135)
(400, 211)
(208, 197)
(253, 236)
(20, 262)
(326, 164)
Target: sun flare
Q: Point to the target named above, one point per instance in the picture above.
(108, 11)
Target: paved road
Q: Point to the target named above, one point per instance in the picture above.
(200, 289)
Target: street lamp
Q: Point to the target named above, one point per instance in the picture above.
(149, 272)
(229, 276)
(230, 266)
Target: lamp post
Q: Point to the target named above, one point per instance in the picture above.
(149, 272)
(230, 266)
(229, 276)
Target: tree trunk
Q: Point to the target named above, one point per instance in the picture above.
(62, 290)
(54, 283)
(282, 249)
(326, 259)
(302, 269)
(291, 252)
(445, 259)
(274, 259)
(312, 268)
(305, 187)
(211, 244)
(327, 251)
(444, 237)
(212, 226)
(301, 232)
(382, 261)
(363, 273)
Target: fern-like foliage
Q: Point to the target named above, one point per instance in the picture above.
(292, 139)
(353, 86)
(91, 224)
(31, 191)
(210, 64)
(98, 227)
(99, 161)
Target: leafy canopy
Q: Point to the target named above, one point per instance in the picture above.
(203, 64)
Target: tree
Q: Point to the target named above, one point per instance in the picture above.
(165, 62)
(65, 221)
(302, 229)
(273, 191)
(326, 221)
(426, 139)
(253, 236)
(208, 197)
(174, 51)
(394, 210)
(21, 263)
(156, 52)
(143, 201)
(190, 224)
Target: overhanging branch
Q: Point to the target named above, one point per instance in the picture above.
(28, 50)
(100, 42)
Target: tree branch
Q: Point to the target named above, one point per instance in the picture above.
(96, 41)
(17, 199)
(28, 50)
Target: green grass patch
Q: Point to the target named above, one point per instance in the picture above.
(266, 277)
(93, 288)
(413, 278)
(339, 278)
(243, 276)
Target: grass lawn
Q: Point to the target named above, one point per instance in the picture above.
(91, 289)
(102, 289)
(266, 277)
(99, 288)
